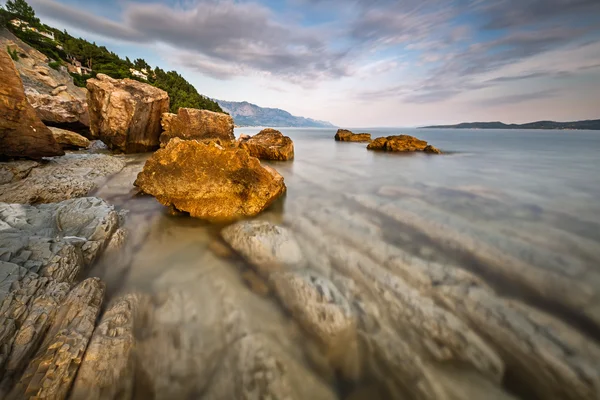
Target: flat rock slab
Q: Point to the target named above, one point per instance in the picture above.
(344, 135)
(69, 140)
(402, 143)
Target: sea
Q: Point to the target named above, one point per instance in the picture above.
(518, 211)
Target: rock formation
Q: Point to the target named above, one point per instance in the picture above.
(209, 181)
(69, 140)
(73, 175)
(125, 114)
(191, 123)
(401, 143)
(61, 107)
(269, 144)
(344, 135)
(22, 134)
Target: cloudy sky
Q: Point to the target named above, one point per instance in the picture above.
(364, 63)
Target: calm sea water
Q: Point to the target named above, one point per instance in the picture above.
(520, 209)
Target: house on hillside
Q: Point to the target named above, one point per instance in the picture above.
(49, 35)
(19, 23)
(139, 74)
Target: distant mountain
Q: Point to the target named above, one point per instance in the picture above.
(247, 114)
(593, 124)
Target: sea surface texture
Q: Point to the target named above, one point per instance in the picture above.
(469, 275)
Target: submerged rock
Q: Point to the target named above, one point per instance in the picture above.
(209, 181)
(125, 114)
(344, 135)
(191, 123)
(58, 179)
(22, 134)
(401, 143)
(269, 144)
(69, 140)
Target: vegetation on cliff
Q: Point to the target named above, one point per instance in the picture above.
(66, 49)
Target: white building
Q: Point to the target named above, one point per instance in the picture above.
(138, 74)
(18, 23)
(49, 35)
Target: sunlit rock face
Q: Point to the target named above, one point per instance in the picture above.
(269, 144)
(209, 181)
(194, 124)
(401, 143)
(125, 114)
(344, 135)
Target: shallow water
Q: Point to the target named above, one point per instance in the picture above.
(518, 209)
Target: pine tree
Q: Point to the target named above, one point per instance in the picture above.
(22, 10)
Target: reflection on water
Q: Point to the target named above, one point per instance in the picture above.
(470, 275)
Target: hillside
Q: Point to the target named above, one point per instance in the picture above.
(577, 125)
(248, 114)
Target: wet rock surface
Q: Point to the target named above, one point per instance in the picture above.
(56, 179)
(209, 181)
(344, 135)
(126, 114)
(22, 133)
(269, 144)
(402, 143)
(194, 124)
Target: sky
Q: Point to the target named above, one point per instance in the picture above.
(364, 63)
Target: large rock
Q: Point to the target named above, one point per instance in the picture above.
(125, 114)
(209, 181)
(344, 135)
(401, 143)
(22, 134)
(269, 144)
(61, 178)
(191, 123)
(61, 107)
(69, 140)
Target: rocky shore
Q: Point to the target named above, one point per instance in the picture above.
(108, 292)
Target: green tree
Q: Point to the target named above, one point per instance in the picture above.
(21, 9)
(141, 64)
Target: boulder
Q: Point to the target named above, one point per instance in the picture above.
(344, 135)
(209, 181)
(69, 140)
(60, 107)
(191, 123)
(269, 144)
(125, 114)
(22, 134)
(401, 143)
(62, 178)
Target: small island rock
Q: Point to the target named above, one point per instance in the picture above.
(125, 114)
(344, 135)
(209, 181)
(401, 143)
(191, 123)
(269, 144)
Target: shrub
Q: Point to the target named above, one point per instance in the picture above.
(54, 65)
(13, 54)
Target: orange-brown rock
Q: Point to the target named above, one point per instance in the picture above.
(22, 133)
(344, 135)
(209, 181)
(269, 144)
(125, 114)
(401, 143)
(191, 123)
(68, 139)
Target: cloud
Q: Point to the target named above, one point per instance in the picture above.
(518, 98)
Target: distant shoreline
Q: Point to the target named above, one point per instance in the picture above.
(541, 125)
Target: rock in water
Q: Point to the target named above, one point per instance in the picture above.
(125, 114)
(191, 123)
(22, 134)
(401, 143)
(344, 135)
(209, 181)
(69, 140)
(269, 144)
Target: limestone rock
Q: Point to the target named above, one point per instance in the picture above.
(69, 140)
(269, 144)
(60, 107)
(51, 373)
(269, 248)
(15, 171)
(61, 178)
(208, 181)
(191, 123)
(108, 367)
(22, 134)
(125, 114)
(344, 135)
(400, 143)
(432, 150)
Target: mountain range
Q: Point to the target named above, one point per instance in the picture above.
(578, 125)
(248, 114)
